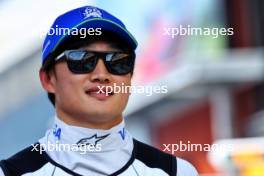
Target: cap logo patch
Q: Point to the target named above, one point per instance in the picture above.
(92, 12)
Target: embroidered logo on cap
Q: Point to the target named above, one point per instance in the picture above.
(92, 12)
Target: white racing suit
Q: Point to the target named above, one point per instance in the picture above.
(69, 150)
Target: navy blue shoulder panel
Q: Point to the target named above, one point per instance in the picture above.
(155, 158)
(27, 160)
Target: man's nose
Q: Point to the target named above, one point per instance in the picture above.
(100, 73)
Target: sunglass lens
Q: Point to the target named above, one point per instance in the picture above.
(81, 61)
(120, 63)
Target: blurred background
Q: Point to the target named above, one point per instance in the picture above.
(215, 85)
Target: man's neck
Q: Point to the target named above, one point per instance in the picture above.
(90, 122)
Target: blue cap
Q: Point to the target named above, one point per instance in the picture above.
(84, 17)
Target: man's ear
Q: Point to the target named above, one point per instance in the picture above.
(47, 80)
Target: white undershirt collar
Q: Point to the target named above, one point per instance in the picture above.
(115, 142)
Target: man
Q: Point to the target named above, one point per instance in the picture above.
(76, 70)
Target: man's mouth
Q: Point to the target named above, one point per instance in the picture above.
(100, 93)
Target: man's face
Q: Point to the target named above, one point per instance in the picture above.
(77, 96)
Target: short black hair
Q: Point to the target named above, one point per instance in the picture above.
(76, 42)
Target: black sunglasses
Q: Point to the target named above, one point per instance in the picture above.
(82, 61)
